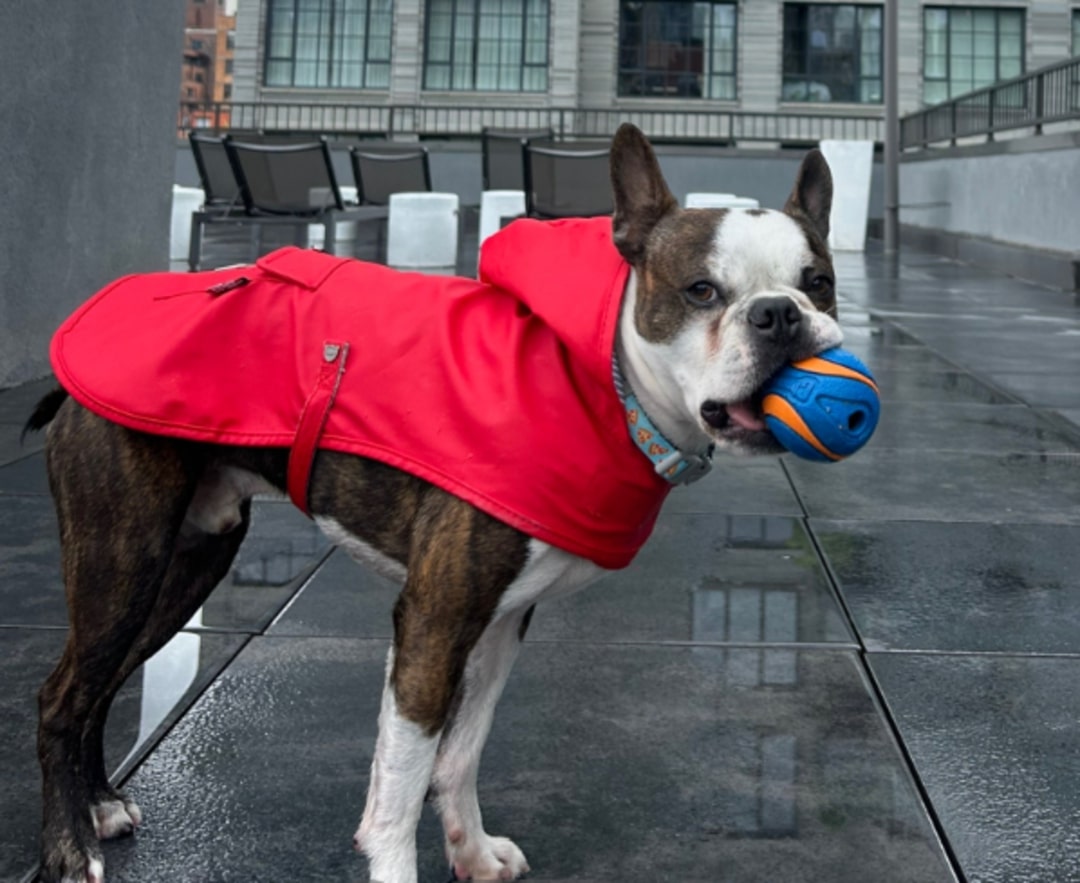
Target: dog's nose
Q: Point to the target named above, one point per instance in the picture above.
(714, 414)
(775, 318)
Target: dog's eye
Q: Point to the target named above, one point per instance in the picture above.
(818, 284)
(702, 294)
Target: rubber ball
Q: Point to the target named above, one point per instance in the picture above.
(823, 408)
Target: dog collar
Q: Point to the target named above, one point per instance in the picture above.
(671, 464)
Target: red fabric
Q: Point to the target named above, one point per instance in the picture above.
(498, 390)
(312, 422)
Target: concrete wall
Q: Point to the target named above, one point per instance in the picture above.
(1021, 192)
(88, 141)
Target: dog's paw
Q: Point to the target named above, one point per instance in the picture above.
(74, 867)
(485, 858)
(94, 873)
(115, 817)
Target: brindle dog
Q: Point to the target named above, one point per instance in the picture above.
(718, 300)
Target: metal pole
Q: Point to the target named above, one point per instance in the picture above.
(892, 131)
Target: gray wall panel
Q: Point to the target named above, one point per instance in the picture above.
(89, 110)
(1021, 198)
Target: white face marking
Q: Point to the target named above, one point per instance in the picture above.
(759, 252)
(754, 255)
(757, 255)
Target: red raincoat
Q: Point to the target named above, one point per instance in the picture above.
(500, 391)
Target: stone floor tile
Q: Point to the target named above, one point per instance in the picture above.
(995, 742)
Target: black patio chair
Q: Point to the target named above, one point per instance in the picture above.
(220, 189)
(500, 151)
(285, 179)
(567, 179)
(381, 172)
(282, 184)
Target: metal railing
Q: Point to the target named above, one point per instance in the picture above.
(1048, 95)
(711, 127)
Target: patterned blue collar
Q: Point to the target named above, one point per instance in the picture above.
(671, 464)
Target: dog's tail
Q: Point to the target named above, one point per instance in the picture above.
(44, 412)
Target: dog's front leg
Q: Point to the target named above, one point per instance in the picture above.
(400, 773)
(474, 854)
(460, 563)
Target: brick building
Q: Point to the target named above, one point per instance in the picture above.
(207, 71)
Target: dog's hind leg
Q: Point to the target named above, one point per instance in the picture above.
(120, 499)
(198, 563)
(460, 563)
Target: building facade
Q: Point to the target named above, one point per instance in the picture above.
(693, 55)
(207, 69)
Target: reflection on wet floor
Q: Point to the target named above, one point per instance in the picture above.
(824, 673)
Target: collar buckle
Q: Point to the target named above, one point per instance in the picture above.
(682, 468)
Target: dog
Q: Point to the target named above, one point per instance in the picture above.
(706, 305)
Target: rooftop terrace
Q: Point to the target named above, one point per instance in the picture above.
(863, 671)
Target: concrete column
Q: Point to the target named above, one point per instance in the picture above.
(89, 147)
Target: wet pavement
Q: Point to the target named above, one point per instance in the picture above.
(862, 671)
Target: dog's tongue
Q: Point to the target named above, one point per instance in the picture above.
(746, 415)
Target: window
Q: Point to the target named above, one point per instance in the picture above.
(832, 53)
(966, 48)
(677, 49)
(487, 45)
(328, 43)
(1076, 32)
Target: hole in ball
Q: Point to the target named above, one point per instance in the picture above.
(855, 420)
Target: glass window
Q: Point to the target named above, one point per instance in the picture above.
(677, 49)
(832, 53)
(487, 45)
(966, 48)
(328, 43)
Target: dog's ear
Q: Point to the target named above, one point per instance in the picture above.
(812, 196)
(641, 196)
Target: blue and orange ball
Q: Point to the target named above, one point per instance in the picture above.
(823, 408)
